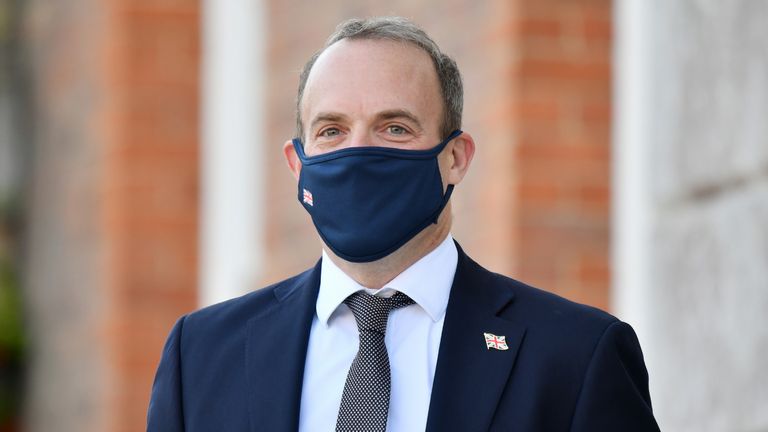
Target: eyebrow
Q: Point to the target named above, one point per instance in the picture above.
(327, 117)
(399, 113)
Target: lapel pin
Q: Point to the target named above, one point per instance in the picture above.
(495, 342)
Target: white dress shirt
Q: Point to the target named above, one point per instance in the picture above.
(412, 339)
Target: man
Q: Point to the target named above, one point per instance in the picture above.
(395, 328)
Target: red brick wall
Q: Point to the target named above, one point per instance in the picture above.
(152, 189)
(562, 78)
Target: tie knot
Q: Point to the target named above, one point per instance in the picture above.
(371, 312)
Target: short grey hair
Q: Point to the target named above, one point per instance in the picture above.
(400, 30)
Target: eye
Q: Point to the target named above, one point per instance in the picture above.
(330, 132)
(396, 130)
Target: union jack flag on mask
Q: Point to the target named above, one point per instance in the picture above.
(308, 197)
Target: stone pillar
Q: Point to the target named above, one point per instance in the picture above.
(699, 96)
(112, 207)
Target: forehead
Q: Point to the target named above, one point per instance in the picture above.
(360, 77)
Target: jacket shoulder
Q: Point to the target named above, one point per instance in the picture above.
(233, 314)
(536, 304)
(560, 333)
(530, 305)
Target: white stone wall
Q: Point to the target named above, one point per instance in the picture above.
(706, 293)
(63, 267)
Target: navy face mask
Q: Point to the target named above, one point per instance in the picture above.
(366, 202)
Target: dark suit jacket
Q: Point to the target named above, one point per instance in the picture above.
(238, 365)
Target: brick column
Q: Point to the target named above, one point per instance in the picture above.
(562, 112)
(152, 189)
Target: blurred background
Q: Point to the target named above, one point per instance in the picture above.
(622, 162)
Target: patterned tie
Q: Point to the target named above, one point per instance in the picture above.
(365, 402)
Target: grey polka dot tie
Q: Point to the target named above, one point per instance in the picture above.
(365, 402)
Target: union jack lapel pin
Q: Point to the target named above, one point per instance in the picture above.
(495, 342)
(308, 198)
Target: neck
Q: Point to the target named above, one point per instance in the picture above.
(378, 273)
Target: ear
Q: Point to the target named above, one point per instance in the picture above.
(458, 157)
(294, 163)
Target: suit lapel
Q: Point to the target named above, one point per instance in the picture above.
(276, 348)
(469, 377)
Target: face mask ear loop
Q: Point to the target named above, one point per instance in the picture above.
(449, 189)
(444, 143)
(299, 146)
(446, 197)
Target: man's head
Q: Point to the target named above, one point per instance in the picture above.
(380, 83)
(400, 30)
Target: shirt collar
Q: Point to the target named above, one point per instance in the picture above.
(427, 281)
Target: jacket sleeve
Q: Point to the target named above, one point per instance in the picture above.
(165, 413)
(614, 395)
